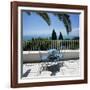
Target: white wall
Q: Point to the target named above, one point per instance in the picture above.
(5, 46)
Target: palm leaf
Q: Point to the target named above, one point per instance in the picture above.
(66, 20)
(45, 16)
(64, 17)
(28, 12)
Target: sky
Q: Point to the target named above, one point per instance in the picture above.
(34, 26)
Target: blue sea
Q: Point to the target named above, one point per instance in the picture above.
(35, 36)
(25, 38)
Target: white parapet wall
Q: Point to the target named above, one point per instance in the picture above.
(34, 56)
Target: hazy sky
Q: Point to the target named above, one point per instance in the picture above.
(34, 25)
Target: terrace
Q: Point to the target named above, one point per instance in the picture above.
(34, 51)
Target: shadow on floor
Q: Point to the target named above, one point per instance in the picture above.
(54, 68)
(26, 73)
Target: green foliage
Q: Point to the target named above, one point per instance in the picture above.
(36, 44)
(45, 45)
(45, 16)
(60, 36)
(54, 36)
(41, 44)
(65, 18)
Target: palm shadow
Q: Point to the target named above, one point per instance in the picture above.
(26, 73)
(54, 68)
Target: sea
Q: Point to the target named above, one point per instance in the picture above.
(25, 38)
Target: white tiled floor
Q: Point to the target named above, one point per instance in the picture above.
(69, 68)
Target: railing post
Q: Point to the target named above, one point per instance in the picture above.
(51, 44)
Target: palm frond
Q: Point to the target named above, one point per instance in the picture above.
(28, 12)
(66, 20)
(45, 16)
(64, 17)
